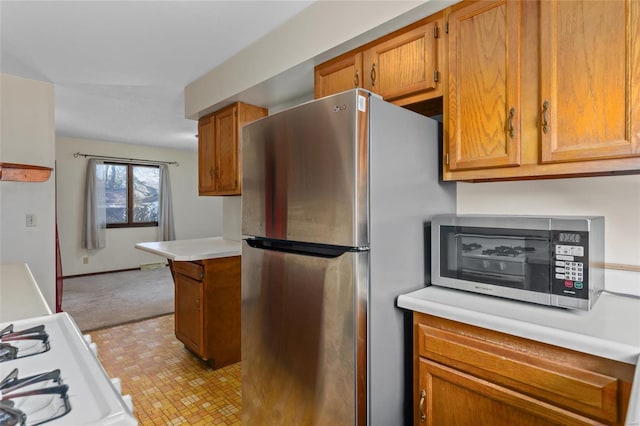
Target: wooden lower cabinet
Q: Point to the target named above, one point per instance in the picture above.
(467, 375)
(207, 308)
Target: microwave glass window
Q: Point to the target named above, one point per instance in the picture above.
(504, 257)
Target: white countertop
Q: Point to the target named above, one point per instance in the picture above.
(20, 296)
(611, 329)
(194, 249)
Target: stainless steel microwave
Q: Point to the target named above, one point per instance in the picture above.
(556, 261)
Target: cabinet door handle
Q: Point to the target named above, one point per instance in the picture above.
(423, 396)
(545, 120)
(373, 75)
(512, 131)
(356, 79)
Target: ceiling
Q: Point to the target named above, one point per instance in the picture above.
(120, 67)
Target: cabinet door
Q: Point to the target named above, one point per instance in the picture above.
(189, 312)
(206, 155)
(227, 153)
(406, 64)
(590, 79)
(338, 75)
(484, 85)
(447, 396)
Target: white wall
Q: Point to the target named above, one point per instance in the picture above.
(279, 66)
(194, 216)
(617, 198)
(28, 137)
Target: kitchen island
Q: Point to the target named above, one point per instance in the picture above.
(592, 355)
(206, 275)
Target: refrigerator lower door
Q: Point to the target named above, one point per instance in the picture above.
(303, 338)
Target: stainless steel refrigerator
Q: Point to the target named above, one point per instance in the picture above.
(336, 193)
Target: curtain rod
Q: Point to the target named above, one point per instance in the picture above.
(79, 154)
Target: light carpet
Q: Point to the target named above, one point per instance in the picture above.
(105, 300)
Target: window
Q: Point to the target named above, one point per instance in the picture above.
(131, 194)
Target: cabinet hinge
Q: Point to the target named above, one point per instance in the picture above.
(436, 32)
(446, 27)
(436, 76)
(446, 158)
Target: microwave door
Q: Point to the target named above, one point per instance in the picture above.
(492, 256)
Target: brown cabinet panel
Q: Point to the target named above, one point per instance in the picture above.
(586, 82)
(220, 148)
(206, 155)
(227, 150)
(193, 270)
(484, 85)
(189, 317)
(404, 67)
(565, 385)
(470, 375)
(405, 64)
(340, 74)
(579, 91)
(452, 397)
(207, 301)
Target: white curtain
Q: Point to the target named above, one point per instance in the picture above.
(166, 232)
(95, 214)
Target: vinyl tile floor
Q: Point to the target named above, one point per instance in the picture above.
(168, 384)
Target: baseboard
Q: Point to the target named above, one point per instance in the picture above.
(100, 273)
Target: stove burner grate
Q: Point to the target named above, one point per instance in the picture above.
(32, 400)
(22, 343)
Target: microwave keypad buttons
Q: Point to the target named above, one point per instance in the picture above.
(569, 271)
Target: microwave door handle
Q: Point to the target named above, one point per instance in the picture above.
(512, 278)
(508, 237)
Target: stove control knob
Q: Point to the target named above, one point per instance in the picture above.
(486, 264)
(502, 266)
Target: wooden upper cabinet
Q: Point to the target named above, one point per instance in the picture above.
(484, 85)
(590, 83)
(571, 71)
(220, 150)
(406, 64)
(340, 74)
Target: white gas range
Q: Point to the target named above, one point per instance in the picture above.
(49, 372)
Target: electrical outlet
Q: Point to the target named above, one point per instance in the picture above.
(85, 260)
(31, 220)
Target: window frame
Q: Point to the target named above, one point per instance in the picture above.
(130, 223)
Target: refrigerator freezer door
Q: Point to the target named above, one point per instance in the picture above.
(303, 338)
(305, 172)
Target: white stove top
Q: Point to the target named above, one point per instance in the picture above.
(93, 398)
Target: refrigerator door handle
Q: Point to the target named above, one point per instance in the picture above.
(317, 250)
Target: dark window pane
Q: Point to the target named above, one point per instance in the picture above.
(116, 193)
(146, 185)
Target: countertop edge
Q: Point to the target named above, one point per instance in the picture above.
(193, 249)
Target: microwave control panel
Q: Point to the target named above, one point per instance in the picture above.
(570, 263)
